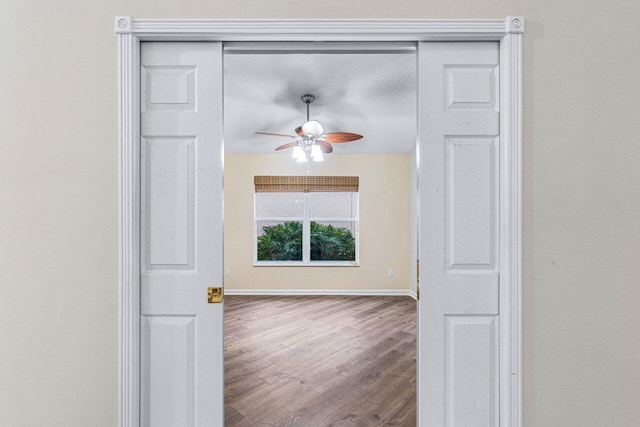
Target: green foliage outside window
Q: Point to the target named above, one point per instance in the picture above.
(283, 242)
(329, 243)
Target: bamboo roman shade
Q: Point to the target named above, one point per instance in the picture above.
(306, 184)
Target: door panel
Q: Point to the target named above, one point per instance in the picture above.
(182, 360)
(470, 341)
(470, 239)
(169, 181)
(176, 335)
(459, 288)
(181, 234)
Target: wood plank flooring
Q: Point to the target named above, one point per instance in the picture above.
(317, 361)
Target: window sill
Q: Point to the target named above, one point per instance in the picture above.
(303, 264)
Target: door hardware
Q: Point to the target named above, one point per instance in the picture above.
(215, 295)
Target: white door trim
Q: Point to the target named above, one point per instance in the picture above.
(506, 31)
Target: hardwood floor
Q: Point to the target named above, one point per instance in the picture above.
(320, 361)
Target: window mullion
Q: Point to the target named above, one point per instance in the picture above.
(306, 231)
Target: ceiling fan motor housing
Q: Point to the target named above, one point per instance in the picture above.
(308, 98)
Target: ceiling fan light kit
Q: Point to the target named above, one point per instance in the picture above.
(316, 153)
(312, 127)
(298, 154)
(311, 141)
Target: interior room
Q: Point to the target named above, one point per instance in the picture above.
(60, 298)
(337, 332)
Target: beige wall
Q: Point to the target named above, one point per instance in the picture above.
(384, 223)
(58, 200)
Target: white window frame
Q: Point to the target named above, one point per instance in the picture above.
(306, 219)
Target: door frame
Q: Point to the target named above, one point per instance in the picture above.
(508, 32)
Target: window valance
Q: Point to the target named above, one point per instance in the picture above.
(305, 184)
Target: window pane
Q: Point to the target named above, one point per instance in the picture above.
(279, 205)
(333, 241)
(279, 241)
(333, 205)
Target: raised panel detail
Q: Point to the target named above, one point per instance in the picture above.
(169, 88)
(168, 371)
(472, 194)
(471, 375)
(471, 87)
(168, 211)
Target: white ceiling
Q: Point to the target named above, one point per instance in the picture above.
(373, 94)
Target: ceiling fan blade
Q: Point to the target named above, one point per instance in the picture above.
(325, 146)
(338, 137)
(299, 131)
(275, 134)
(285, 146)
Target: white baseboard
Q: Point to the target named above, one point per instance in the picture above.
(370, 292)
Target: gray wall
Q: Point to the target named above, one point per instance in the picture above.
(58, 200)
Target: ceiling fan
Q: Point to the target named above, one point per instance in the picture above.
(310, 140)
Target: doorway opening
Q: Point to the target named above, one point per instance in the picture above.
(322, 344)
(470, 104)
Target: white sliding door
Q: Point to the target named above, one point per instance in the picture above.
(458, 361)
(181, 349)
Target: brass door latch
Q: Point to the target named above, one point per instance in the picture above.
(215, 295)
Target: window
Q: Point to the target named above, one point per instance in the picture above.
(306, 220)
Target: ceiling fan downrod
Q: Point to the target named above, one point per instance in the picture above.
(308, 99)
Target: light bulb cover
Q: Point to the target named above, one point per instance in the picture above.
(300, 154)
(316, 153)
(313, 128)
(297, 152)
